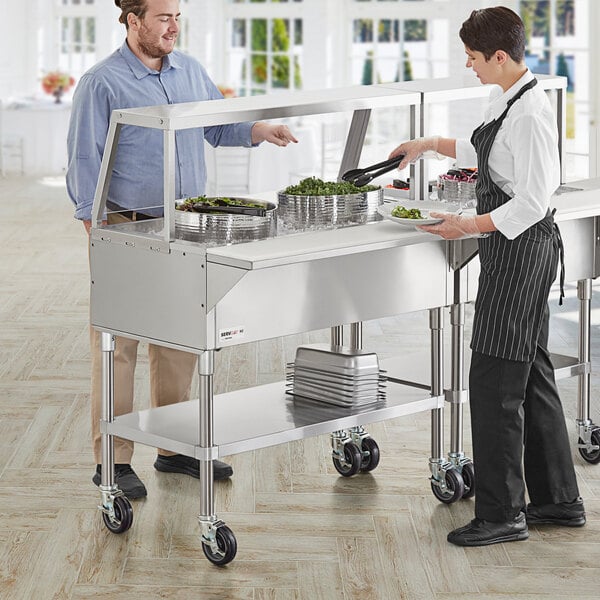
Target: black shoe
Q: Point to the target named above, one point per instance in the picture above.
(127, 480)
(569, 514)
(187, 465)
(482, 533)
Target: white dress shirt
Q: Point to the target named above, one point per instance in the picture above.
(524, 160)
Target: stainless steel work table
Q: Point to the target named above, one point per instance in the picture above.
(149, 285)
(577, 207)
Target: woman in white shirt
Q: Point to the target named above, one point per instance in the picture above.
(516, 414)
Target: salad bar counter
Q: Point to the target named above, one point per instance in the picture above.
(200, 292)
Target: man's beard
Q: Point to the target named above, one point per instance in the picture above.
(148, 47)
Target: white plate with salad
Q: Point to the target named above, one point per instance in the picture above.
(407, 214)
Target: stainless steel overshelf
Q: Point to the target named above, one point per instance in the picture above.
(258, 417)
(289, 104)
(445, 89)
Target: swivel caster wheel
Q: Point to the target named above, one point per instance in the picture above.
(468, 475)
(591, 456)
(455, 487)
(370, 454)
(352, 461)
(226, 550)
(123, 517)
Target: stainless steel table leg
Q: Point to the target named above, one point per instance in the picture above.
(115, 507)
(447, 482)
(457, 396)
(353, 450)
(218, 542)
(457, 385)
(337, 335)
(589, 434)
(356, 340)
(584, 293)
(437, 459)
(206, 433)
(108, 411)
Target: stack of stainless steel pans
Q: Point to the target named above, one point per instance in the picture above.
(221, 228)
(336, 375)
(318, 212)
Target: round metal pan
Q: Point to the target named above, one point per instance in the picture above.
(222, 228)
(314, 212)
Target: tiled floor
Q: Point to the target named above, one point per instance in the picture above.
(303, 531)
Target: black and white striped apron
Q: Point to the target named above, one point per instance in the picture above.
(516, 275)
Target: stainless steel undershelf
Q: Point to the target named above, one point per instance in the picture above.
(415, 369)
(258, 417)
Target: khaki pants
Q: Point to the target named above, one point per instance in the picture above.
(171, 373)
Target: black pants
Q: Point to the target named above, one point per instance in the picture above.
(517, 421)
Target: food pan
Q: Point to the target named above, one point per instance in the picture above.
(337, 359)
(221, 227)
(314, 212)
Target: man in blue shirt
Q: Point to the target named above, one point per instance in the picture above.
(145, 71)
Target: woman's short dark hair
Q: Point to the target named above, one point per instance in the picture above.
(491, 29)
(137, 7)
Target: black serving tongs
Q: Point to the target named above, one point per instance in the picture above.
(360, 177)
(251, 211)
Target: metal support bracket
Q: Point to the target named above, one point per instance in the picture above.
(109, 493)
(209, 532)
(338, 440)
(456, 396)
(206, 454)
(438, 468)
(458, 459)
(584, 431)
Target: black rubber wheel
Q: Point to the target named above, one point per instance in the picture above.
(468, 475)
(591, 456)
(455, 487)
(370, 457)
(227, 547)
(353, 460)
(123, 516)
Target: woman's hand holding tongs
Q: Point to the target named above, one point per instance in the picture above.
(414, 149)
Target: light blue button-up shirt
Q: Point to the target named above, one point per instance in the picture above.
(123, 81)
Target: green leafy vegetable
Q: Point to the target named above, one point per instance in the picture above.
(312, 186)
(406, 213)
(203, 201)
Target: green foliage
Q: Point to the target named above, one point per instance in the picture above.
(279, 64)
(367, 76)
(313, 186)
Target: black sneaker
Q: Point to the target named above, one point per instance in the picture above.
(179, 463)
(483, 533)
(127, 480)
(568, 514)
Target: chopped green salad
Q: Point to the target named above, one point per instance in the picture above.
(406, 213)
(312, 186)
(203, 201)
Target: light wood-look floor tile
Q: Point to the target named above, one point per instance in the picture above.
(303, 532)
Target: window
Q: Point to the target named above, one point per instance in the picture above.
(265, 52)
(385, 50)
(557, 44)
(77, 26)
(184, 27)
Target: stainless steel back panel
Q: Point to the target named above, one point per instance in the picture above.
(149, 295)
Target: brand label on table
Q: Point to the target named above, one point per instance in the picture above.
(232, 333)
